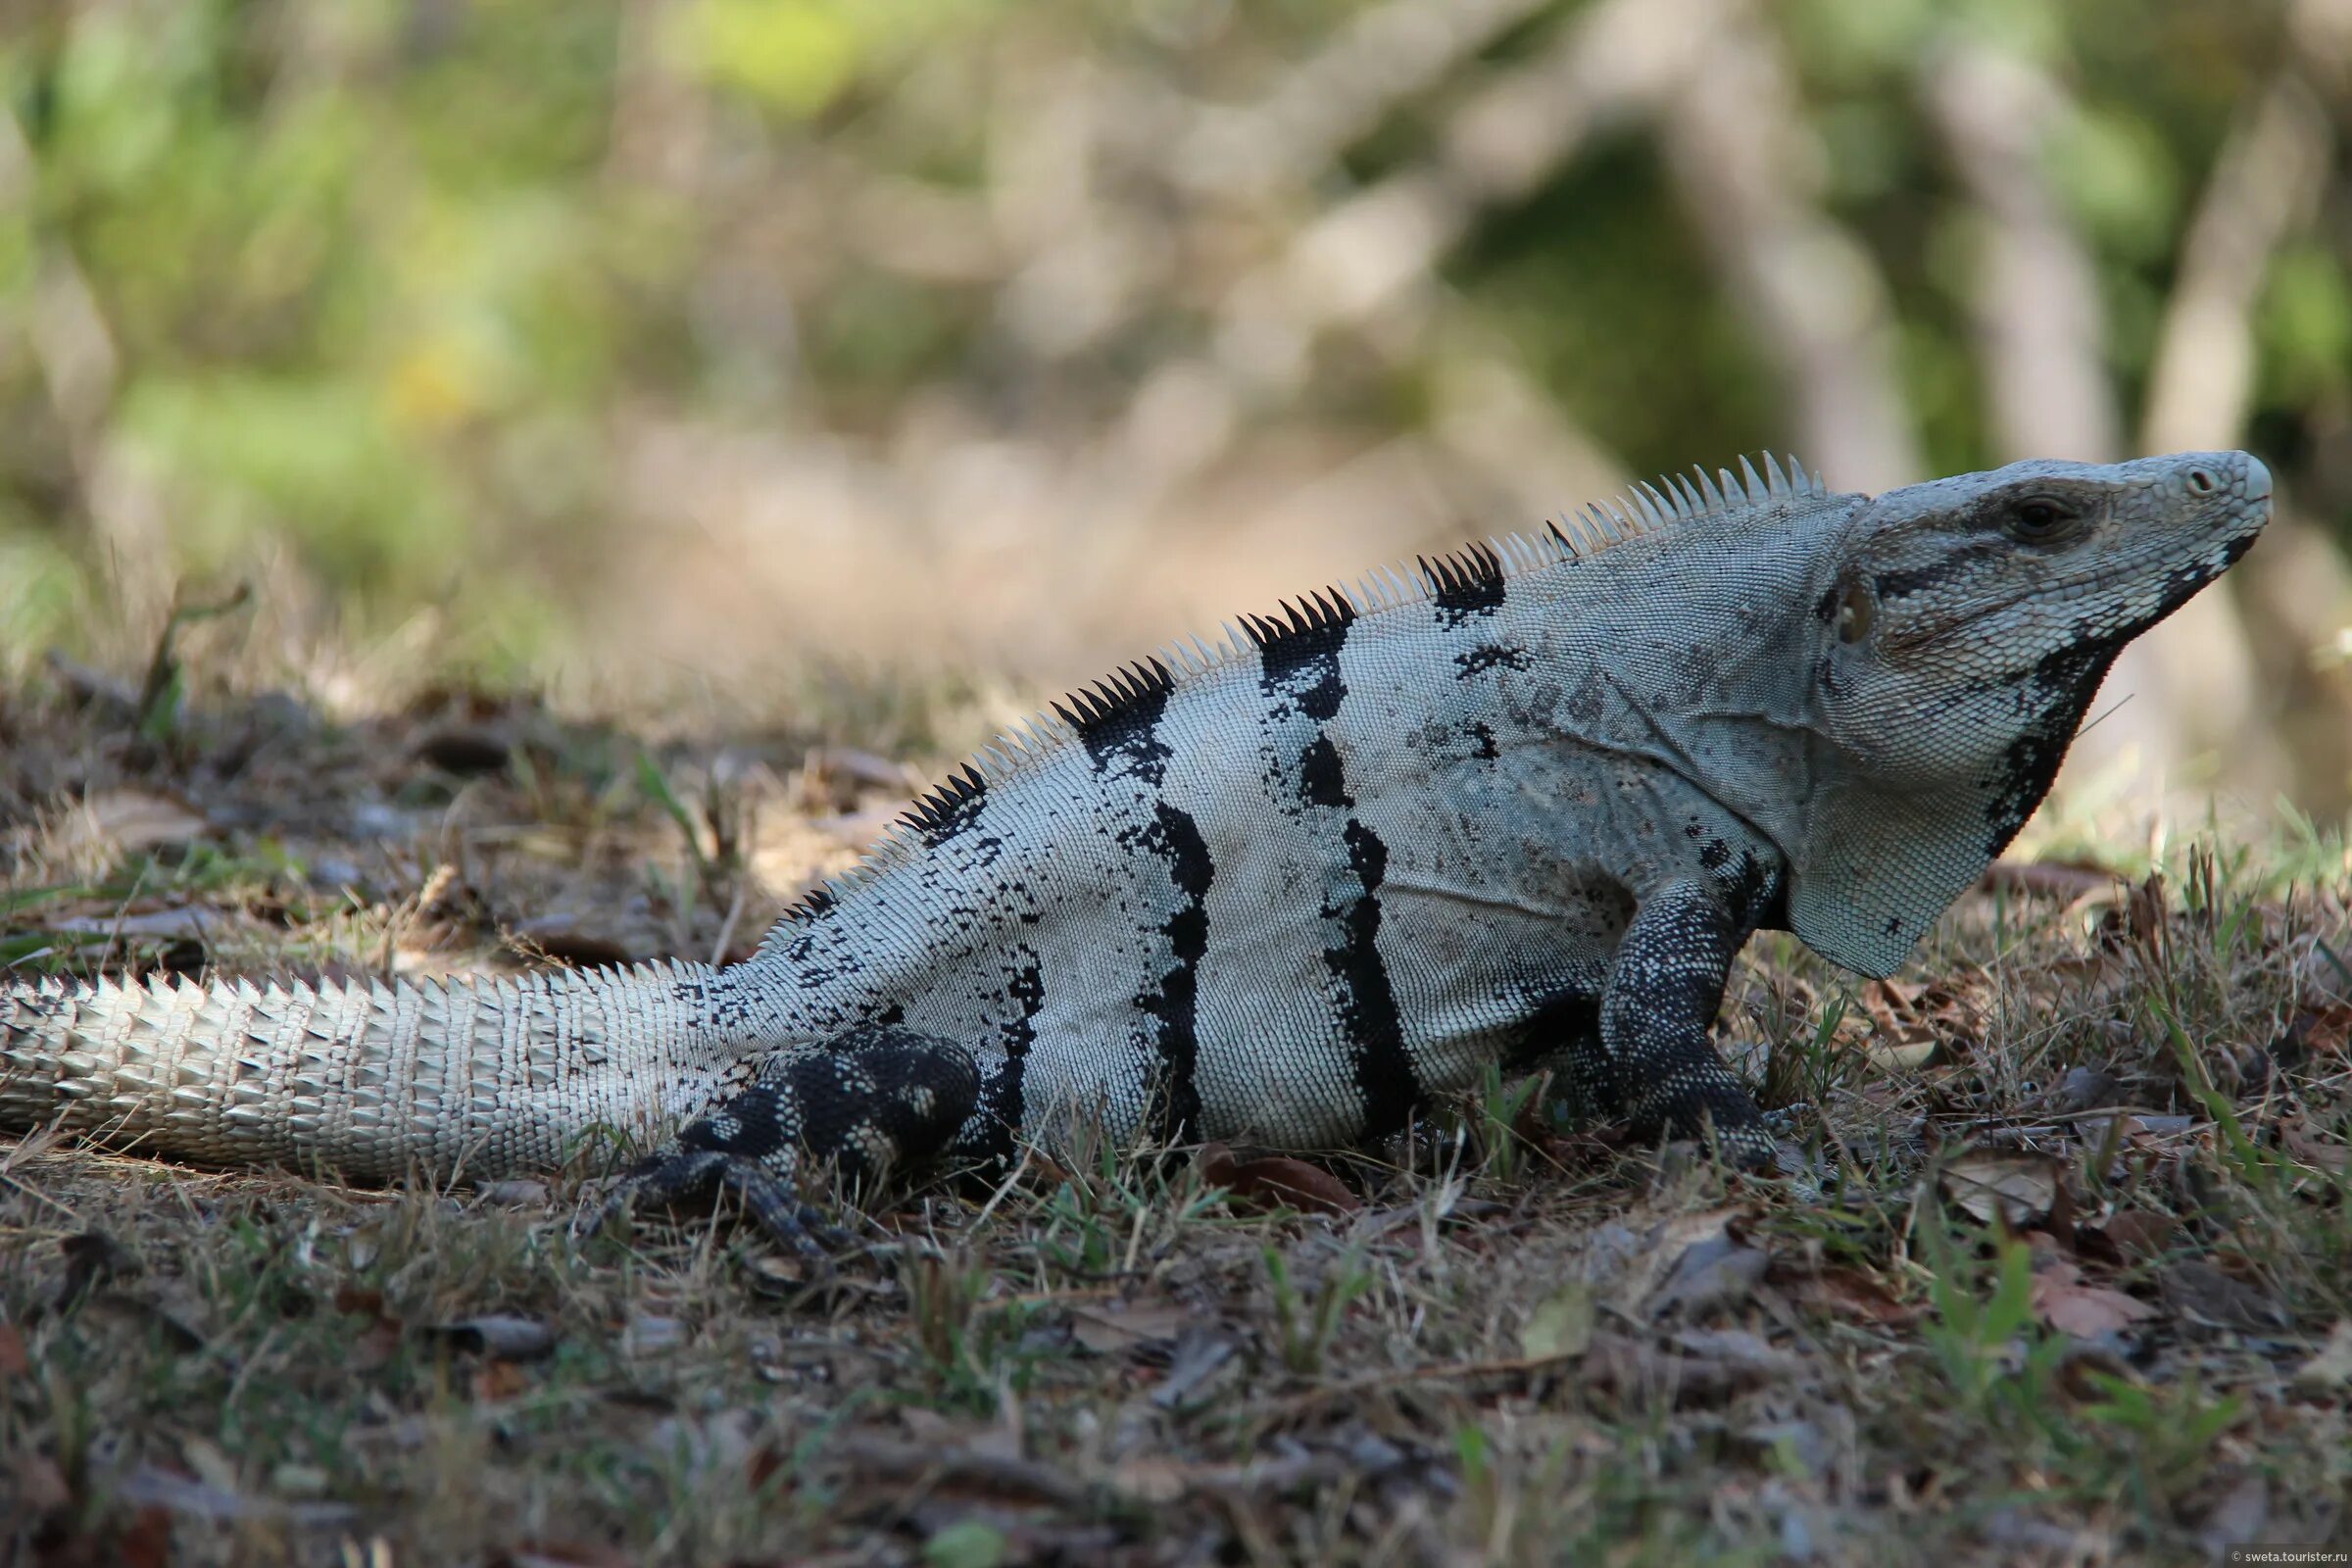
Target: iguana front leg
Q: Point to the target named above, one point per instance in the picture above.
(865, 1102)
(1662, 995)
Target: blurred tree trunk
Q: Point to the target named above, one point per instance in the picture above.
(1735, 139)
(2191, 690)
(2264, 190)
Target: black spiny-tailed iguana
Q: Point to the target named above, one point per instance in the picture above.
(1524, 801)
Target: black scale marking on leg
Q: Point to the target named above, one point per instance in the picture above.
(870, 1098)
(1663, 994)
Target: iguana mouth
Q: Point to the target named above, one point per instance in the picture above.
(2186, 582)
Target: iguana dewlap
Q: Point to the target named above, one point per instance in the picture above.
(1527, 800)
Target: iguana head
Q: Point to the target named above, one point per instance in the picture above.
(1966, 627)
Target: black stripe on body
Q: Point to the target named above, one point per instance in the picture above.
(1300, 662)
(1174, 1007)
(1118, 721)
(1367, 1009)
(1322, 779)
(996, 1122)
(1301, 679)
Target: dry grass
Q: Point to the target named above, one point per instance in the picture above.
(2072, 1287)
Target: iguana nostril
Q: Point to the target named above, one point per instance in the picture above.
(2201, 481)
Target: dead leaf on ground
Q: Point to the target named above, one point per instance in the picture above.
(1909, 1024)
(1715, 1273)
(374, 1346)
(2016, 1189)
(2321, 1031)
(1710, 1366)
(2239, 1517)
(1201, 1359)
(2061, 1299)
(1150, 1479)
(2145, 912)
(2314, 1148)
(2135, 1236)
(1561, 1325)
(145, 1542)
(210, 1463)
(2332, 1367)
(1850, 1294)
(2198, 1291)
(2086, 1088)
(14, 1361)
(1116, 1328)
(41, 1486)
(1276, 1179)
(127, 821)
(496, 1382)
(1690, 1265)
(651, 1333)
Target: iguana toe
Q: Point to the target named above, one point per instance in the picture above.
(681, 1174)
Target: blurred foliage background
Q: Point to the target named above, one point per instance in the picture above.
(663, 338)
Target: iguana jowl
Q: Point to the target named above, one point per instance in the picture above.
(1526, 800)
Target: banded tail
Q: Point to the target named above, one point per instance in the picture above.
(479, 1078)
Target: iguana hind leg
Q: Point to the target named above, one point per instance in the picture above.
(1664, 990)
(865, 1102)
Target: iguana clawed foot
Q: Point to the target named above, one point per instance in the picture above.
(861, 1102)
(685, 1172)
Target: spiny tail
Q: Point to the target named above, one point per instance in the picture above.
(374, 1081)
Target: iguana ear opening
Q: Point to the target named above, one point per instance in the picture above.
(1878, 865)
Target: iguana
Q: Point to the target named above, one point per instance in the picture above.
(1526, 800)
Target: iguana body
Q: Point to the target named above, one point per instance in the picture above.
(1281, 891)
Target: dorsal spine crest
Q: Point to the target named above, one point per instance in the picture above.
(1598, 527)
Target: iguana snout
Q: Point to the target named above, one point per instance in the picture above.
(1973, 613)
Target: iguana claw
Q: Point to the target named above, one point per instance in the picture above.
(680, 1174)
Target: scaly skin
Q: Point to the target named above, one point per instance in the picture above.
(1528, 800)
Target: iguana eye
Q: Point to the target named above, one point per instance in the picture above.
(2038, 518)
(1856, 615)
